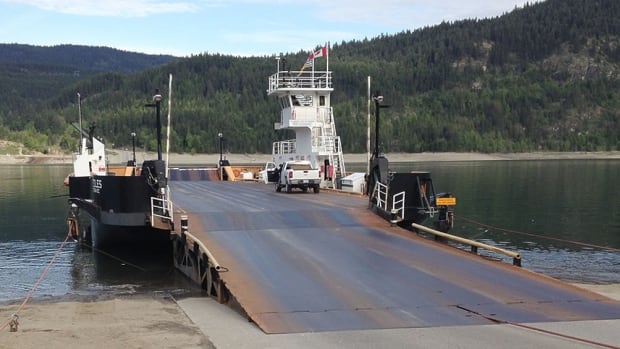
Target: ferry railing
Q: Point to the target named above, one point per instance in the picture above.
(161, 208)
(475, 245)
(299, 79)
(381, 194)
(398, 206)
(284, 147)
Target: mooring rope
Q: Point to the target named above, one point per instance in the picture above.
(585, 244)
(14, 317)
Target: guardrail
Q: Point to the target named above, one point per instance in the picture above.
(161, 208)
(516, 257)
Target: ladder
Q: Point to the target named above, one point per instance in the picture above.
(333, 146)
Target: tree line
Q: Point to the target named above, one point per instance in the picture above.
(541, 77)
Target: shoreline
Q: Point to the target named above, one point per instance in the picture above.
(178, 159)
(133, 321)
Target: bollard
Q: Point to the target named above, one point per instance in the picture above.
(14, 323)
(184, 224)
(393, 217)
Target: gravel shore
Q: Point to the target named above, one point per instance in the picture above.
(134, 321)
(211, 160)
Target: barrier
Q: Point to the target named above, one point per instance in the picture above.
(516, 257)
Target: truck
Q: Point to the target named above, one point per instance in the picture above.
(269, 173)
(298, 174)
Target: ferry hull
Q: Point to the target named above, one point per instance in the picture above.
(104, 236)
(119, 210)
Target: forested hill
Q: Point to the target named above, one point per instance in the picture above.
(32, 74)
(77, 57)
(542, 77)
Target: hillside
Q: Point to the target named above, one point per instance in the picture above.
(32, 74)
(543, 77)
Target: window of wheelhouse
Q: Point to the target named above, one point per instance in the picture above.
(302, 100)
(284, 102)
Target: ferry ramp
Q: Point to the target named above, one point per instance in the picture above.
(304, 262)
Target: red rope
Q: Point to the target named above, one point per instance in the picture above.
(540, 236)
(36, 284)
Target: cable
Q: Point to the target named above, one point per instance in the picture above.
(540, 236)
(36, 284)
(532, 328)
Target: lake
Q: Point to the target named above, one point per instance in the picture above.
(563, 216)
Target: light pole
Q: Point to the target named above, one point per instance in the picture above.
(133, 143)
(157, 104)
(221, 136)
(378, 100)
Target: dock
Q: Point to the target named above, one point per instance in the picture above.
(303, 262)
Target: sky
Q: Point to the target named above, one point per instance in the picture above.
(230, 27)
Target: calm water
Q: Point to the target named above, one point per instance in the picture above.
(33, 207)
(567, 200)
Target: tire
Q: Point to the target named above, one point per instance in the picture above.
(316, 189)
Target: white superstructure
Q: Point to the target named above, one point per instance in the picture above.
(304, 98)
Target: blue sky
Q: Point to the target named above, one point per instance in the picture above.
(236, 27)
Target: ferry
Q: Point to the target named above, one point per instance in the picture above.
(124, 204)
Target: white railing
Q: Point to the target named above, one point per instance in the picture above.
(299, 79)
(398, 204)
(381, 192)
(161, 208)
(284, 147)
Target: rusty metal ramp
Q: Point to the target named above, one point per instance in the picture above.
(304, 262)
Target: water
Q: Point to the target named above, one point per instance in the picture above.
(33, 207)
(566, 200)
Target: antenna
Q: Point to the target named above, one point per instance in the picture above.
(79, 110)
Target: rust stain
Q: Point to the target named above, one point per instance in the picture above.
(329, 224)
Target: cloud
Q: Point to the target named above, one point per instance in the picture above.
(109, 8)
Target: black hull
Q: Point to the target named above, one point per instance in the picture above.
(106, 237)
(118, 208)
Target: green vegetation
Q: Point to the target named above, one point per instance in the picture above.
(542, 77)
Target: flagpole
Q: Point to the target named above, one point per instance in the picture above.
(312, 67)
(327, 58)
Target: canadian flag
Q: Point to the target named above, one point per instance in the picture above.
(322, 52)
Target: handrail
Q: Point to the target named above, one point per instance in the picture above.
(516, 257)
(398, 204)
(161, 208)
(382, 195)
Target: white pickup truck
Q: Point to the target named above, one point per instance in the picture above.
(298, 174)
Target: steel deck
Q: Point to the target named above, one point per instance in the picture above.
(303, 262)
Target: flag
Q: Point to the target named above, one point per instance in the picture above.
(322, 52)
(309, 62)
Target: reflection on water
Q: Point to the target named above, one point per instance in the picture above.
(32, 216)
(572, 200)
(518, 205)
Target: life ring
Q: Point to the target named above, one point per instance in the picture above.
(237, 173)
